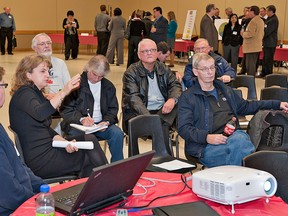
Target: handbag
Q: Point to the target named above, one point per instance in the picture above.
(127, 32)
(14, 42)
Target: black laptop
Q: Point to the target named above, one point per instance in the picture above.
(105, 186)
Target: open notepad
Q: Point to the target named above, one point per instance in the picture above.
(79, 145)
(89, 130)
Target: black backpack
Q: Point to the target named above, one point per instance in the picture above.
(268, 130)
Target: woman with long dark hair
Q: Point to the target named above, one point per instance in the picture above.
(232, 40)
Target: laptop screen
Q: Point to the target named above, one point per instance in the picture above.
(108, 183)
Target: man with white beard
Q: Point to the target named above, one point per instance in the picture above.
(59, 74)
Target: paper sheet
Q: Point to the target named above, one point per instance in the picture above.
(79, 145)
(174, 165)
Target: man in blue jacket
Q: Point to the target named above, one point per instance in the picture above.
(206, 107)
(224, 71)
(17, 182)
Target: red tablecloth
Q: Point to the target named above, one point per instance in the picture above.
(183, 45)
(256, 208)
(88, 40)
(281, 54)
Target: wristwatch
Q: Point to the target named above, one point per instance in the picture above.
(176, 100)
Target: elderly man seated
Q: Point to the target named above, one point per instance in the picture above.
(206, 107)
(224, 71)
(149, 87)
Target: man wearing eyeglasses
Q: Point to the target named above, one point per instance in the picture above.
(149, 87)
(206, 107)
(224, 71)
(15, 176)
(59, 74)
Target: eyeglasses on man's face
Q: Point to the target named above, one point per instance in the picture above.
(4, 85)
(200, 49)
(48, 43)
(206, 69)
(148, 51)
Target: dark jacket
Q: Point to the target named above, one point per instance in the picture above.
(76, 105)
(135, 88)
(232, 37)
(195, 116)
(17, 182)
(66, 33)
(209, 31)
(161, 25)
(222, 68)
(271, 32)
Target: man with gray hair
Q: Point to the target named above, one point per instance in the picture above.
(204, 110)
(228, 12)
(7, 30)
(150, 87)
(208, 29)
(95, 102)
(59, 74)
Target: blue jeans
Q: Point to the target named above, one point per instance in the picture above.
(237, 146)
(114, 136)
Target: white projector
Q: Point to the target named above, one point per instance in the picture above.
(231, 185)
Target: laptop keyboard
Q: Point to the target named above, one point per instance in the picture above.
(68, 200)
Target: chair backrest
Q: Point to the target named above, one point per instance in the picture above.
(268, 130)
(274, 162)
(274, 93)
(276, 80)
(247, 81)
(147, 126)
(17, 144)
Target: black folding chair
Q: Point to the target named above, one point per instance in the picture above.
(274, 93)
(150, 126)
(276, 80)
(274, 162)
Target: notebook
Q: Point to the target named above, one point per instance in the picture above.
(105, 186)
(191, 209)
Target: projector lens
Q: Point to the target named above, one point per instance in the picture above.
(267, 186)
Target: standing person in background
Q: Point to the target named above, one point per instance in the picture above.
(18, 183)
(117, 27)
(137, 32)
(207, 28)
(171, 36)
(228, 12)
(269, 41)
(70, 25)
(252, 40)
(217, 14)
(232, 40)
(263, 13)
(148, 23)
(7, 30)
(159, 28)
(101, 28)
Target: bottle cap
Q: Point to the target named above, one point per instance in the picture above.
(44, 188)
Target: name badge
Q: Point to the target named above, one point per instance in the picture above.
(10, 17)
(234, 32)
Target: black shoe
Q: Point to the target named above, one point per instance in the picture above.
(171, 65)
(10, 54)
(2, 53)
(117, 64)
(66, 59)
(260, 76)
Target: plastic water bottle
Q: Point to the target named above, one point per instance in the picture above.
(230, 127)
(45, 204)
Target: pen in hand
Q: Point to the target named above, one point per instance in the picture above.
(88, 114)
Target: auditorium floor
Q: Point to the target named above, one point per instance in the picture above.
(76, 66)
